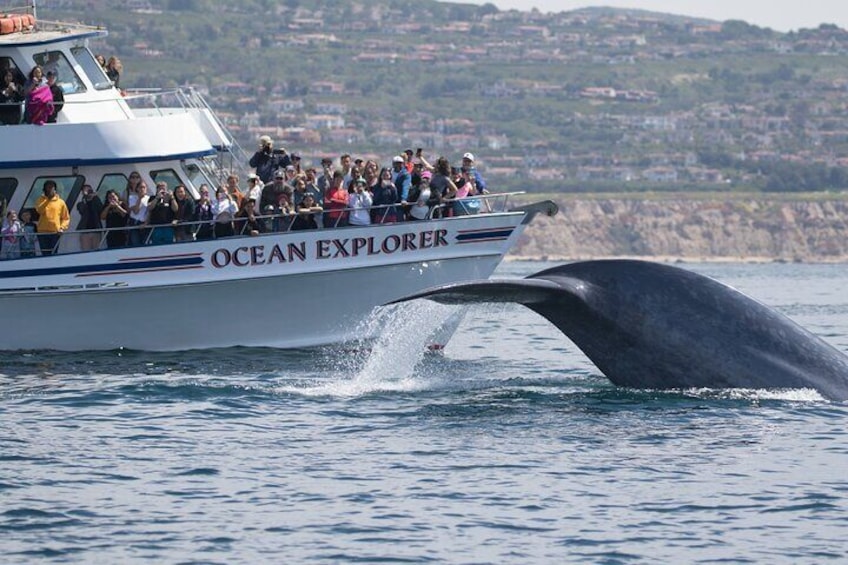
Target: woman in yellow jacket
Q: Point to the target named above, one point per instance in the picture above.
(53, 218)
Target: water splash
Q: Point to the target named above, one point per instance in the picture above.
(402, 334)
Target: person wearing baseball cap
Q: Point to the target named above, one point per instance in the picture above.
(401, 177)
(267, 159)
(468, 165)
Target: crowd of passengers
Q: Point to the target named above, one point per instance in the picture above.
(280, 196)
(38, 98)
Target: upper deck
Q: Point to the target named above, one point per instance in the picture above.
(63, 49)
(98, 122)
(45, 33)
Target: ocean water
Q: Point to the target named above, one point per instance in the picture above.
(508, 447)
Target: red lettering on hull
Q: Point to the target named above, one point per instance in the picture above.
(256, 255)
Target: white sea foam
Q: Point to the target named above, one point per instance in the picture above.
(789, 395)
(402, 335)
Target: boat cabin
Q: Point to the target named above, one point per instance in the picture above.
(102, 134)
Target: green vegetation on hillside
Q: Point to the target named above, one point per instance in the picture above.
(691, 104)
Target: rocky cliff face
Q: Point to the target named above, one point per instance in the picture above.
(737, 229)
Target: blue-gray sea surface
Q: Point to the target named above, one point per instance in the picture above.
(510, 447)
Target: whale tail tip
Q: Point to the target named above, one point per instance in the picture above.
(522, 291)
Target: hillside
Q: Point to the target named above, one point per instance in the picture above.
(692, 228)
(583, 101)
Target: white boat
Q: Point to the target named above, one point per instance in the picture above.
(282, 289)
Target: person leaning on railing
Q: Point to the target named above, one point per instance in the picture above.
(246, 222)
(307, 211)
(335, 202)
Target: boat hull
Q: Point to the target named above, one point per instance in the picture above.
(285, 290)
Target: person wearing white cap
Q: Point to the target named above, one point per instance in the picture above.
(401, 177)
(267, 159)
(254, 189)
(479, 181)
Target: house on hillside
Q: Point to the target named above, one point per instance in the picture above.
(598, 92)
(325, 121)
(334, 108)
(349, 136)
(326, 87)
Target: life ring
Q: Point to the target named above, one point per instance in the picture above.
(14, 24)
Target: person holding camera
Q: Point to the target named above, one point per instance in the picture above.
(267, 159)
(115, 216)
(360, 202)
(224, 209)
(137, 203)
(89, 207)
(11, 96)
(162, 213)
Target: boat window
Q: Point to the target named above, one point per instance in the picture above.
(7, 63)
(66, 77)
(92, 68)
(67, 188)
(116, 182)
(195, 175)
(7, 189)
(169, 176)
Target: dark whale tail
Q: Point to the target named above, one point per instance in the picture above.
(648, 325)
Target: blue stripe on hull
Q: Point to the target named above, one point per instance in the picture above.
(103, 267)
(46, 163)
(487, 235)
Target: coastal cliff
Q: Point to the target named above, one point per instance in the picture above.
(737, 229)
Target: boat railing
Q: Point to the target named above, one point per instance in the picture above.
(159, 102)
(186, 231)
(186, 99)
(20, 109)
(162, 102)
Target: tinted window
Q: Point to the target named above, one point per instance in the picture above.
(195, 175)
(168, 176)
(66, 77)
(9, 63)
(92, 68)
(116, 182)
(7, 189)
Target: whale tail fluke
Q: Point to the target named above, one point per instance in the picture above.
(522, 291)
(648, 325)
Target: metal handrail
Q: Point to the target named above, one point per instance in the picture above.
(188, 98)
(285, 226)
